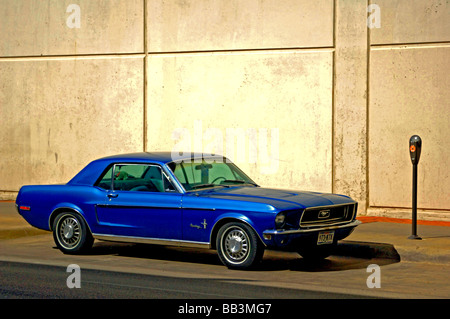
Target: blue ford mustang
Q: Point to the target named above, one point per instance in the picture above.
(194, 200)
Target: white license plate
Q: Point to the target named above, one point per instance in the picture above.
(325, 237)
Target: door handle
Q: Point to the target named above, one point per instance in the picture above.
(112, 195)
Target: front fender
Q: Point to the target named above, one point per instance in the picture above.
(257, 223)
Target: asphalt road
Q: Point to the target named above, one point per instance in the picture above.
(25, 280)
(32, 267)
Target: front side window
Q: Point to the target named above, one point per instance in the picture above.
(193, 174)
(136, 177)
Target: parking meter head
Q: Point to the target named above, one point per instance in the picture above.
(415, 147)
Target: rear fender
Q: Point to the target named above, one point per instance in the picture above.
(64, 207)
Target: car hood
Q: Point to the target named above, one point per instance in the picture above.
(278, 198)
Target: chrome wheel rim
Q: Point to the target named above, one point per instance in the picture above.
(69, 232)
(236, 245)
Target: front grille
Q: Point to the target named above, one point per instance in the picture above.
(327, 215)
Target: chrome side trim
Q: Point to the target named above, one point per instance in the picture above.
(157, 241)
(300, 231)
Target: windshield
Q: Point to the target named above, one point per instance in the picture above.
(195, 174)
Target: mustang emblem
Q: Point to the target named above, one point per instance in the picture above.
(324, 214)
(199, 227)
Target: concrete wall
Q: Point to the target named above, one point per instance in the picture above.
(408, 94)
(300, 94)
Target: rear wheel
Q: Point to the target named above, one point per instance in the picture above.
(238, 246)
(71, 233)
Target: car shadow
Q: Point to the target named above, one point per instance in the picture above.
(348, 255)
(332, 263)
(158, 252)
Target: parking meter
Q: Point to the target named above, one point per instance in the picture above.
(415, 147)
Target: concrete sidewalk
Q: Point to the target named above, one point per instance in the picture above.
(388, 238)
(12, 225)
(374, 238)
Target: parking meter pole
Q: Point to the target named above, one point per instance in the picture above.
(415, 147)
(414, 205)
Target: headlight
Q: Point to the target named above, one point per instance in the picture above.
(279, 220)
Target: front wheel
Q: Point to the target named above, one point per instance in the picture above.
(238, 246)
(71, 233)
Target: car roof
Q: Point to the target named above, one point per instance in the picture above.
(159, 157)
(89, 174)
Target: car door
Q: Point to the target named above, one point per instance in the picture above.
(141, 202)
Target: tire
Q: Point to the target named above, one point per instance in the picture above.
(238, 246)
(71, 233)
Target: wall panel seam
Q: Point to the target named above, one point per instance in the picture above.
(145, 94)
(73, 57)
(368, 115)
(425, 45)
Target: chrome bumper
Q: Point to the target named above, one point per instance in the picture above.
(275, 232)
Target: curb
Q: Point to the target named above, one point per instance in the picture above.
(366, 250)
(388, 251)
(17, 232)
(423, 255)
(374, 219)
